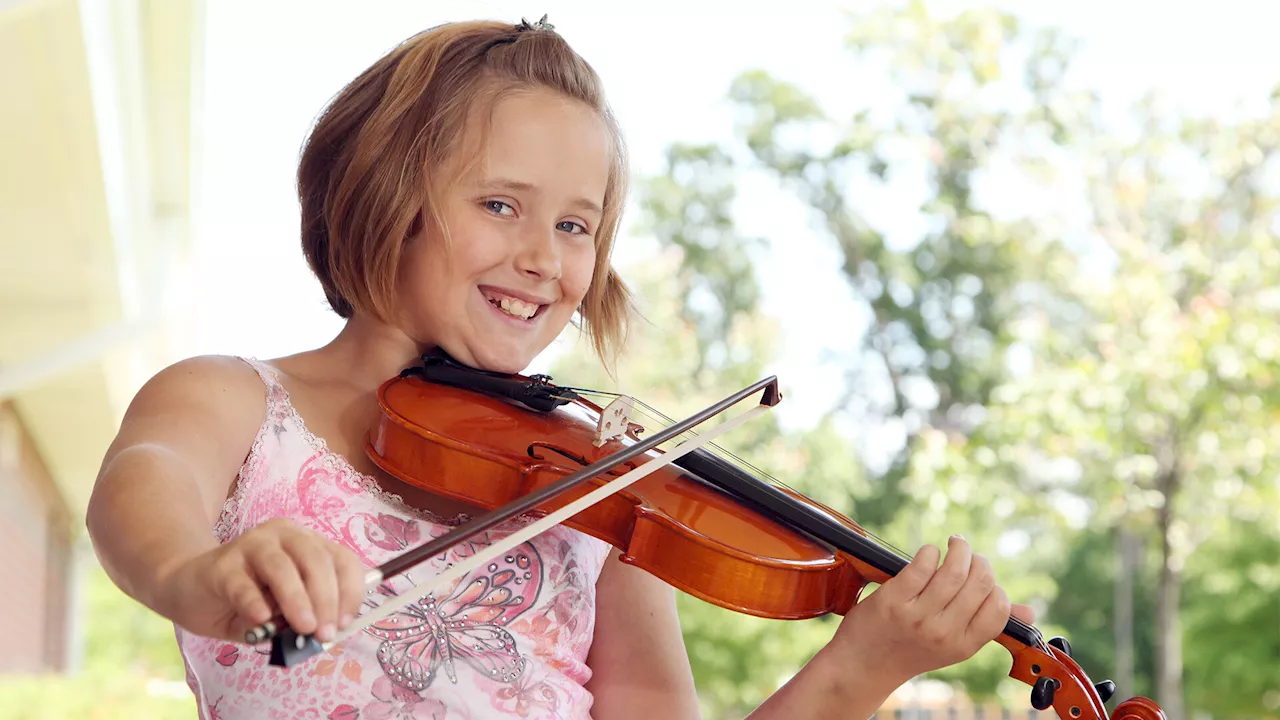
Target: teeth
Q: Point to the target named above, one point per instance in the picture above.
(516, 307)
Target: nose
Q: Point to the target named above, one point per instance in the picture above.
(539, 254)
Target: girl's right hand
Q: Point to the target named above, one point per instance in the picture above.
(275, 568)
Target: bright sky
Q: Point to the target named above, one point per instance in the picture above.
(667, 64)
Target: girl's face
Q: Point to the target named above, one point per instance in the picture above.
(522, 228)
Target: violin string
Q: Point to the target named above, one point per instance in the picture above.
(742, 462)
(660, 418)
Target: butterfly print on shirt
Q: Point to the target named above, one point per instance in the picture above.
(469, 623)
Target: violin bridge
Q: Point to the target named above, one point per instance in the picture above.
(614, 420)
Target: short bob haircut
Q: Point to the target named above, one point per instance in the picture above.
(379, 153)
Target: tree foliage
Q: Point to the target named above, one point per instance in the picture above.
(1065, 375)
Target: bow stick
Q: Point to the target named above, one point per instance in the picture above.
(289, 648)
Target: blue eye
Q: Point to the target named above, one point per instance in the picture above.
(568, 226)
(496, 207)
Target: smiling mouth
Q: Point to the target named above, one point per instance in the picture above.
(512, 306)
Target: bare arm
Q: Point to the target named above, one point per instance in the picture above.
(640, 669)
(167, 473)
(160, 490)
(927, 617)
(638, 661)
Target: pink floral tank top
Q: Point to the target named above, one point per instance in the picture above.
(513, 645)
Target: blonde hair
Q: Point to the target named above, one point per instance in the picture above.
(374, 160)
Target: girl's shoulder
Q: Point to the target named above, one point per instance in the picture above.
(214, 382)
(204, 411)
(218, 398)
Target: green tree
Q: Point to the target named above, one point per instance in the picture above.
(1232, 603)
(1147, 321)
(939, 306)
(942, 308)
(716, 280)
(1176, 325)
(1086, 605)
(1158, 408)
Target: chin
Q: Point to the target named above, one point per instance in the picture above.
(501, 362)
(511, 368)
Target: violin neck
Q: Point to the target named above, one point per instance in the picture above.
(804, 518)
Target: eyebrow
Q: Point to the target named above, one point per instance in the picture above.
(581, 203)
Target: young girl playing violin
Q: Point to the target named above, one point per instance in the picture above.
(463, 193)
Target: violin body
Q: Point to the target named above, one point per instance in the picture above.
(700, 523)
(487, 451)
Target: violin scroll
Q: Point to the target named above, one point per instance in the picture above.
(1058, 682)
(1138, 708)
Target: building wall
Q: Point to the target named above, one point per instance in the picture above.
(35, 556)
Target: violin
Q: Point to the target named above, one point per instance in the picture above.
(515, 445)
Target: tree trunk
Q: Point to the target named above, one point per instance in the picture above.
(1168, 623)
(1127, 546)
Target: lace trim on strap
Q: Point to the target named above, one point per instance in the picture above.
(229, 523)
(279, 405)
(280, 408)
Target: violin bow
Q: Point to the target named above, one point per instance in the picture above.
(288, 648)
(1057, 681)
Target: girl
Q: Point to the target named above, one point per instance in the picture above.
(463, 193)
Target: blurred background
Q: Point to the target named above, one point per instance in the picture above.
(1015, 265)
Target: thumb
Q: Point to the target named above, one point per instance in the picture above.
(1023, 613)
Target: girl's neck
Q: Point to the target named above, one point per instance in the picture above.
(368, 352)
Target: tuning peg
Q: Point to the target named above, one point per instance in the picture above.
(1105, 689)
(1061, 643)
(1042, 693)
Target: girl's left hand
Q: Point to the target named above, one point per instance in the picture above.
(927, 617)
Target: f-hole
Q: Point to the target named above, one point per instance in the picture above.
(616, 471)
